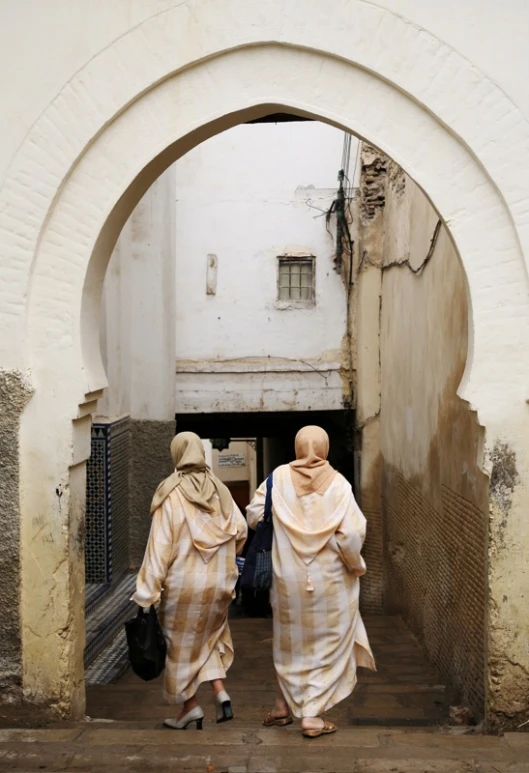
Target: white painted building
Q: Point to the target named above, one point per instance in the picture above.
(201, 296)
(254, 198)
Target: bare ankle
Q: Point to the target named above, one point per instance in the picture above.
(189, 705)
(217, 685)
(308, 723)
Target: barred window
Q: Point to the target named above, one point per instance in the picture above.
(296, 279)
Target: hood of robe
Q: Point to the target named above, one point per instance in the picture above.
(308, 524)
(209, 532)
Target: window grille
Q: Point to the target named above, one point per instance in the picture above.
(296, 279)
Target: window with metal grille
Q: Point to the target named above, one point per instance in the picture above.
(296, 279)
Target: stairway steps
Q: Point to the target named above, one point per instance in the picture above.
(111, 664)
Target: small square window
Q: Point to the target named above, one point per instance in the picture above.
(296, 280)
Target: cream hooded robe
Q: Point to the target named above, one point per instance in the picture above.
(319, 635)
(190, 567)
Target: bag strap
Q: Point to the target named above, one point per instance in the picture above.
(268, 499)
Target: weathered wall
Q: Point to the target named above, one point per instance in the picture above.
(366, 305)
(507, 673)
(434, 495)
(15, 391)
(236, 347)
(150, 463)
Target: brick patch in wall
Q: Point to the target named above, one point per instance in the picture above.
(435, 576)
(372, 583)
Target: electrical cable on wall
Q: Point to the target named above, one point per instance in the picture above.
(345, 243)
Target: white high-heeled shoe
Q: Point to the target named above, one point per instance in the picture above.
(224, 709)
(195, 715)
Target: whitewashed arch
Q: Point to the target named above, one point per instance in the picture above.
(220, 92)
(168, 84)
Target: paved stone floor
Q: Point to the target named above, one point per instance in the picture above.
(124, 731)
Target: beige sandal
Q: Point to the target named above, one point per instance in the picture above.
(271, 721)
(327, 729)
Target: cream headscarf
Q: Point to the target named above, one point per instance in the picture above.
(194, 478)
(311, 472)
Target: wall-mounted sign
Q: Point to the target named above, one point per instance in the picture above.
(232, 460)
(220, 443)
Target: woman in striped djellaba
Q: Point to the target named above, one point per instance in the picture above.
(319, 635)
(189, 567)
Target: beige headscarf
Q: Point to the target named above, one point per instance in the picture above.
(311, 472)
(194, 478)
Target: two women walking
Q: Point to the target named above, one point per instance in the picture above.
(197, 530)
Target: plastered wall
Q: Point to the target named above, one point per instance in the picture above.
(430, 554)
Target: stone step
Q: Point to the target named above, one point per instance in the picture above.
(88, 747)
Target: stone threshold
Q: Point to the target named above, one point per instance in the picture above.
(124, 747)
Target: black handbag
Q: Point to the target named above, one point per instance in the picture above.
(147, 645)
(257, 571)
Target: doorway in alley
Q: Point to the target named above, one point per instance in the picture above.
(275, 431)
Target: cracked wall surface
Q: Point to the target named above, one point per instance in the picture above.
(422, 491)
(15, 391)
(507, 669)
(367, 297)
(434, 494)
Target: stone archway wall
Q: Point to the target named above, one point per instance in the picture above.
(157, 91)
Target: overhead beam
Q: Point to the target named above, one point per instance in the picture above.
(279, 118)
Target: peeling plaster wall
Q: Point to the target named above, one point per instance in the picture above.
(435, 498)
(507, 667)
(368, 229)
(14, 394)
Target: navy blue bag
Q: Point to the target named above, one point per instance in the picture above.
(257, 571)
